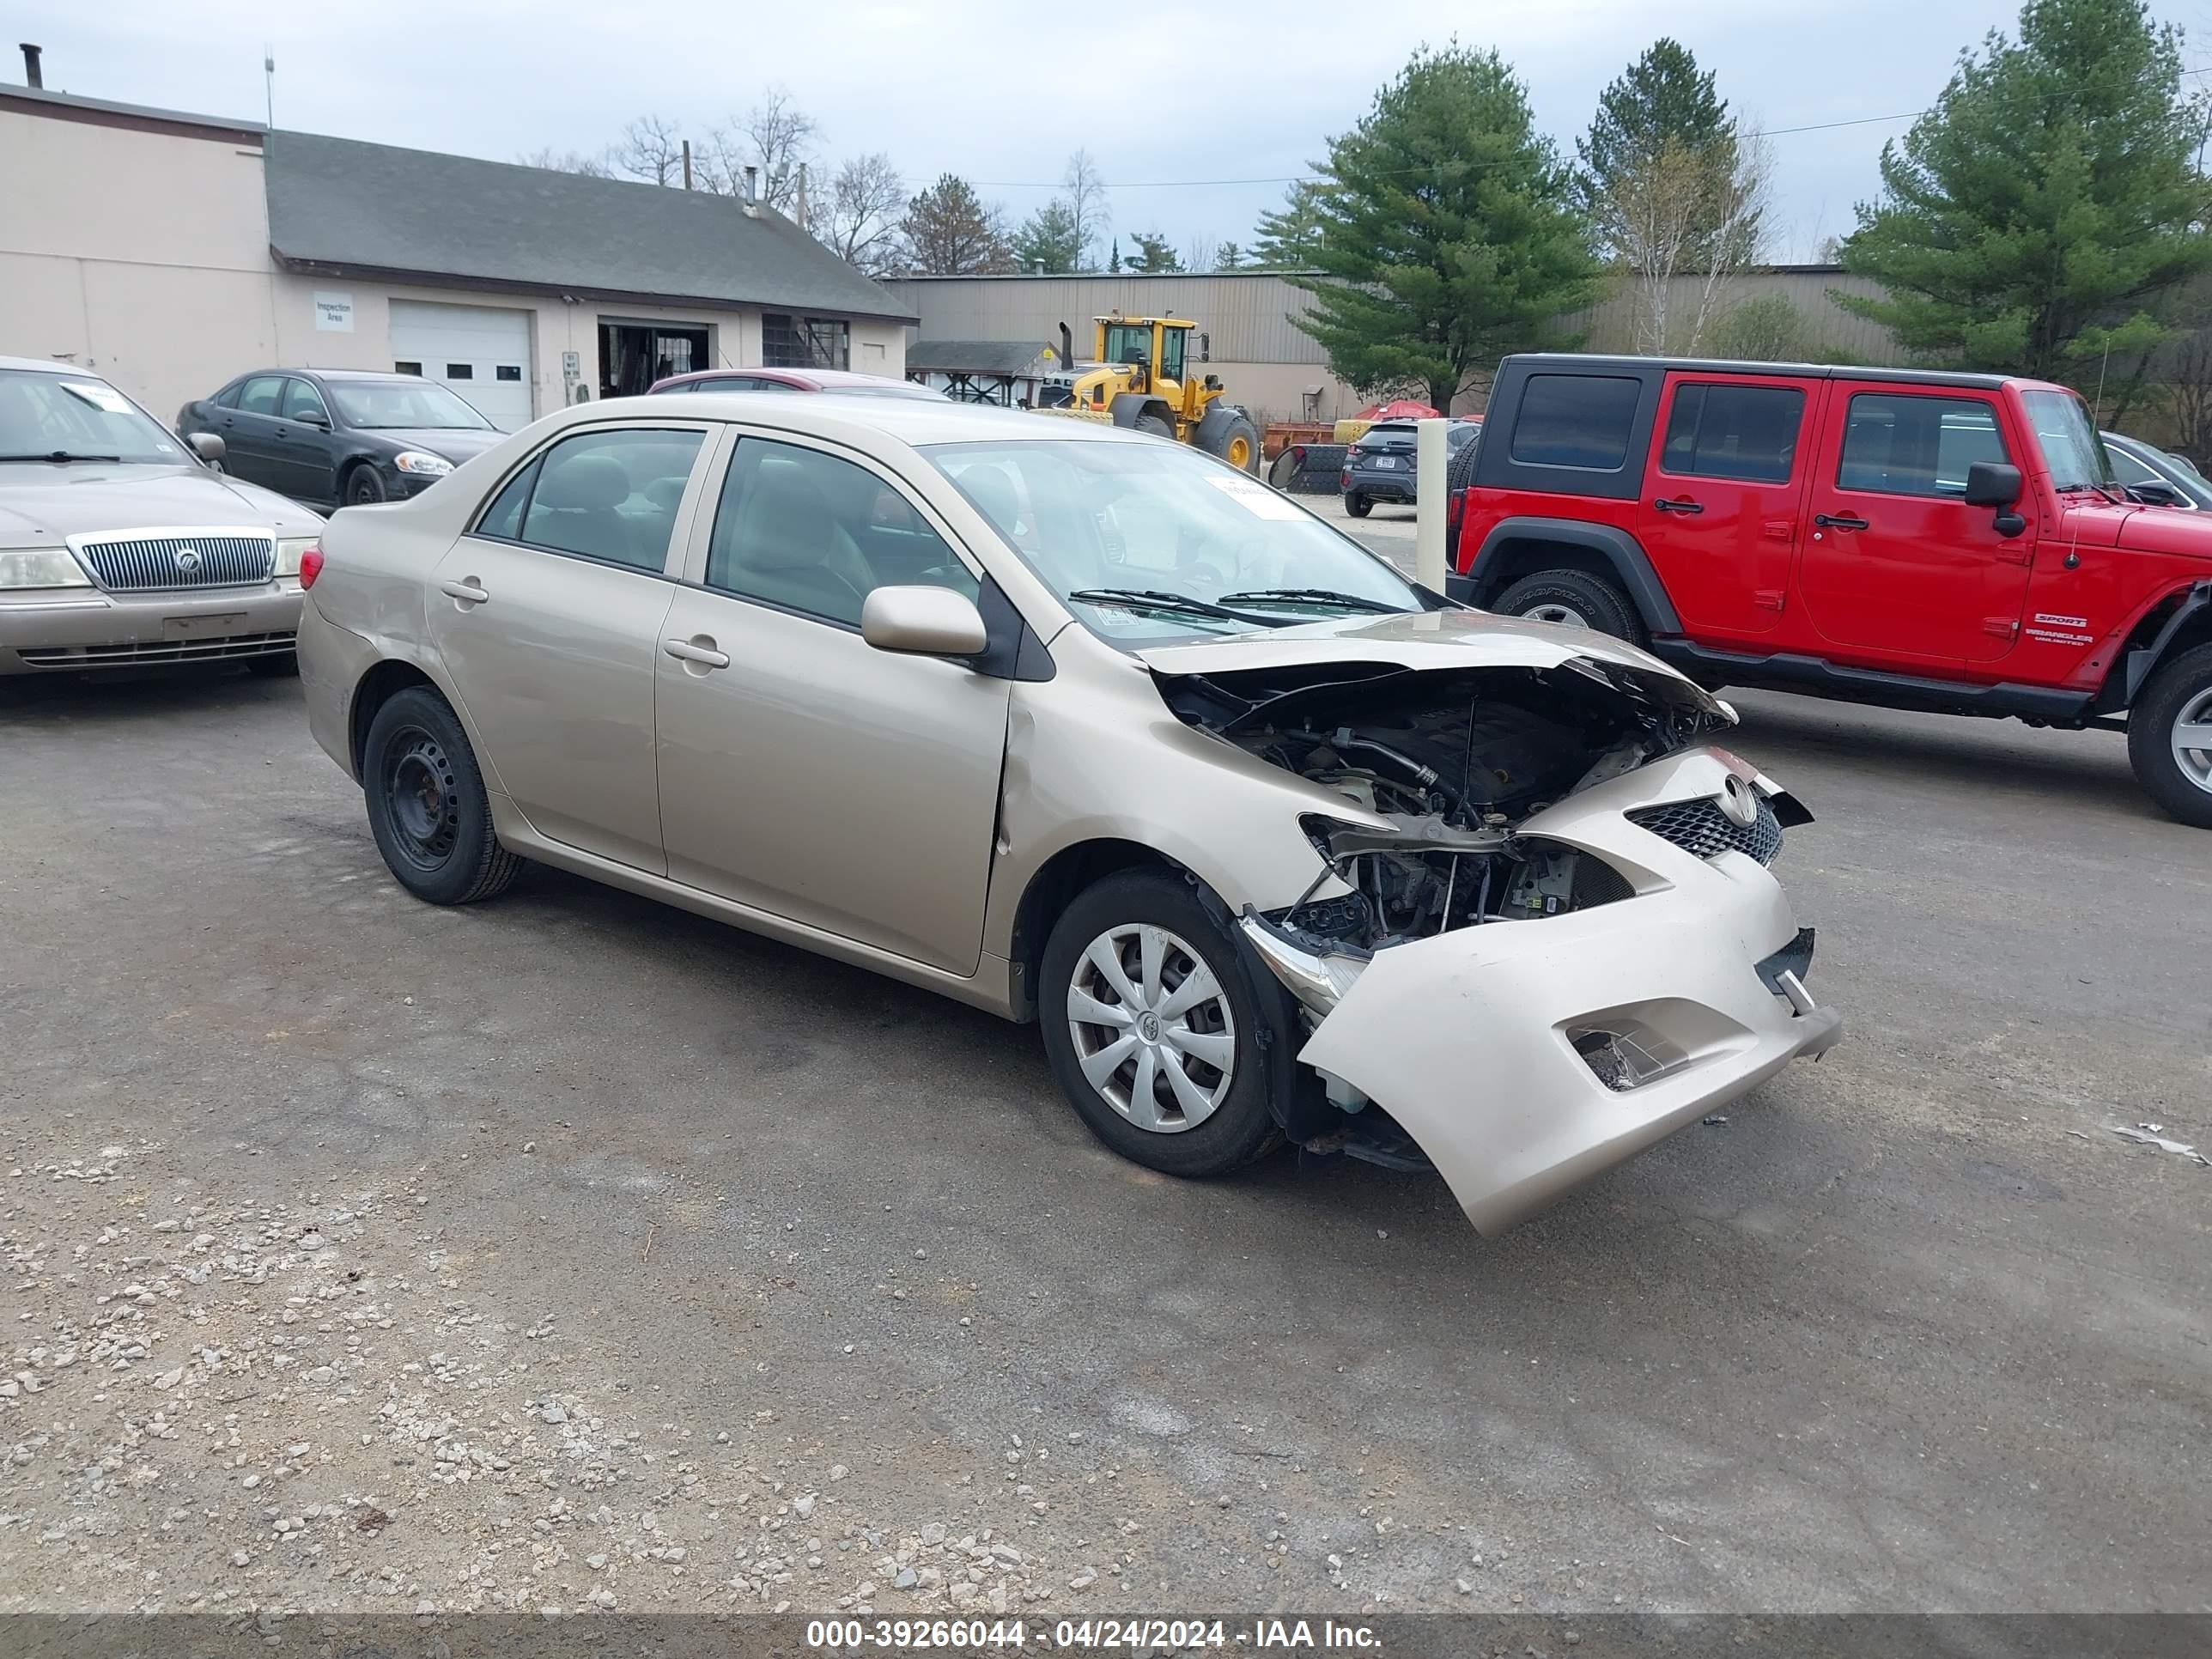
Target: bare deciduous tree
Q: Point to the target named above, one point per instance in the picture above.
(570, 160)
(859, 221)
(1204, 253)
(775, 136)
(1740, 195)
(2187, 394)
(1678, 210)
(1086, 202)
(650, 149)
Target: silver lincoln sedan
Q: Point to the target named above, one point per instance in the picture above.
(1086, 728)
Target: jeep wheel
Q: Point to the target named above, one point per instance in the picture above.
(2170, 737)
(1576, 599)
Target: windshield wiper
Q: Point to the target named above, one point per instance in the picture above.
(60, 455)
(1153, 599)
(1318, 595)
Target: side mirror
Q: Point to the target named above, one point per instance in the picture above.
(1992, 483)
(205, 445)
(924, 621)
(321, 422)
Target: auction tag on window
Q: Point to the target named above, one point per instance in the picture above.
(1255, 497)
(105, 398)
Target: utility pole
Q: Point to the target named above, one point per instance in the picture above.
(687, 164)
(801, 202)
(269, 80)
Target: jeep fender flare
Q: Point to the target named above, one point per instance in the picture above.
(2124, 680)
(1630, 564)
(1128, 405)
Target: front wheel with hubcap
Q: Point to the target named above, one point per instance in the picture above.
(2170, 737)
(1153, 1029)
(427, 803)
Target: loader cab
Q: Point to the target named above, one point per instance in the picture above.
(1156, 347)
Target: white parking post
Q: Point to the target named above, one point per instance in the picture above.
(1428, 503)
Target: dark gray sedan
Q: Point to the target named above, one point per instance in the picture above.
(339, 437)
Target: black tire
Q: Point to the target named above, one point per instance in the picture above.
(1242, 1127)
(1601, 606)
(2183, 686)
(1156, 425)
(1459, 470)
(364, 487)
(426, 804)
(1221, 437)
(1357, 504)
(286, 667)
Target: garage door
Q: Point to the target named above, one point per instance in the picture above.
(481, 352)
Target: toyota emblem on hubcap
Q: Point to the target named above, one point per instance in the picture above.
(188, 559)
(1148, 1027)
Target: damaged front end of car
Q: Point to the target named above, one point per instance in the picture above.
(1523, 953)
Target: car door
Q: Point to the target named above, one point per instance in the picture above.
(548, 616)
(1723, 494)
(803, 772)
(249, 434)
(306, 448)
(1896, 568)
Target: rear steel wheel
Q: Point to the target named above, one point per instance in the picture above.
(1152, 1028)
(423, 790)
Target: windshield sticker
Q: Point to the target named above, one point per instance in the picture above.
(105, 398)
(1256, 498)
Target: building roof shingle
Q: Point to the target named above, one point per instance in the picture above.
(339, 203)
(975, 356)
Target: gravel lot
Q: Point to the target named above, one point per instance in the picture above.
(571, 1252)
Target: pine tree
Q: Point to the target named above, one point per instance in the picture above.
(1154, 253)
(2031, 220)
(1048, 240)
(950, 231)
(1286, 239)
(1450, 237)
(1662, 99)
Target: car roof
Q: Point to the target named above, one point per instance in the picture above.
(826, 380)
(1584, 363)
(915, 421)
(332, 375)
(48, 366)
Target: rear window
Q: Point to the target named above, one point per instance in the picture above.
(1388, 437)
(1580, 421)
(1747, 431)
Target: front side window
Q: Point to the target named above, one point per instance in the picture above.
(816, 533)
(1897, 444)
(1580, 421)
(611, 496)
(1127, 343)
(1172, 341)
(301, 403)
(44, 415)
(1746, 432)
(2070, 446)
(1152, 542)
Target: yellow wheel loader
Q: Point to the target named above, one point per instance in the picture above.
(1142, 378)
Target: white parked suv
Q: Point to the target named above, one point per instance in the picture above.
(120, 546)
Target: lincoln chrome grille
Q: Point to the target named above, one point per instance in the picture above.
(190, 561)
(1700, 828)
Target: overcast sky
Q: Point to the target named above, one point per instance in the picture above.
(1000, 92)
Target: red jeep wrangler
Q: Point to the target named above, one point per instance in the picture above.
(1952, 543)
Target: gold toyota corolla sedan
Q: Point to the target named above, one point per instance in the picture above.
(1086, 728)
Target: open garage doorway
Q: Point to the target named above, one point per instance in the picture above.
(633, 355)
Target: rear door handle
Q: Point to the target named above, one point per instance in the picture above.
(468, 593)
(1665, 505)
(1840, 522)
(690, 651)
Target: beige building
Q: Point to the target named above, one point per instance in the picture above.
(1274, 370)
(172, 251)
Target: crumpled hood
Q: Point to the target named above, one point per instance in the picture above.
(456, 444)
(1419, 640)
(41, 504)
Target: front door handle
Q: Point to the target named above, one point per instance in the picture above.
(692, 650)
(1666, 506)
(1840, 522)
(468, 593)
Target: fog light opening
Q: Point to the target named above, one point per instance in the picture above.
(1624, 1055)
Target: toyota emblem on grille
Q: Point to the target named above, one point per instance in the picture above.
(188, 559)
(1738, 801)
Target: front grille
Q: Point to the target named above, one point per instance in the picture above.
(1701, 829)
(187, 561)
(149, 652)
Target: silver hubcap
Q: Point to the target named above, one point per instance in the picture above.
(2192, 741)
(1554, 612)
(1152, 1029)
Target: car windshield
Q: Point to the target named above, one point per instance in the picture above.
(73, 416)
(402, 404)
(2071, 449)
(1147, 541)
